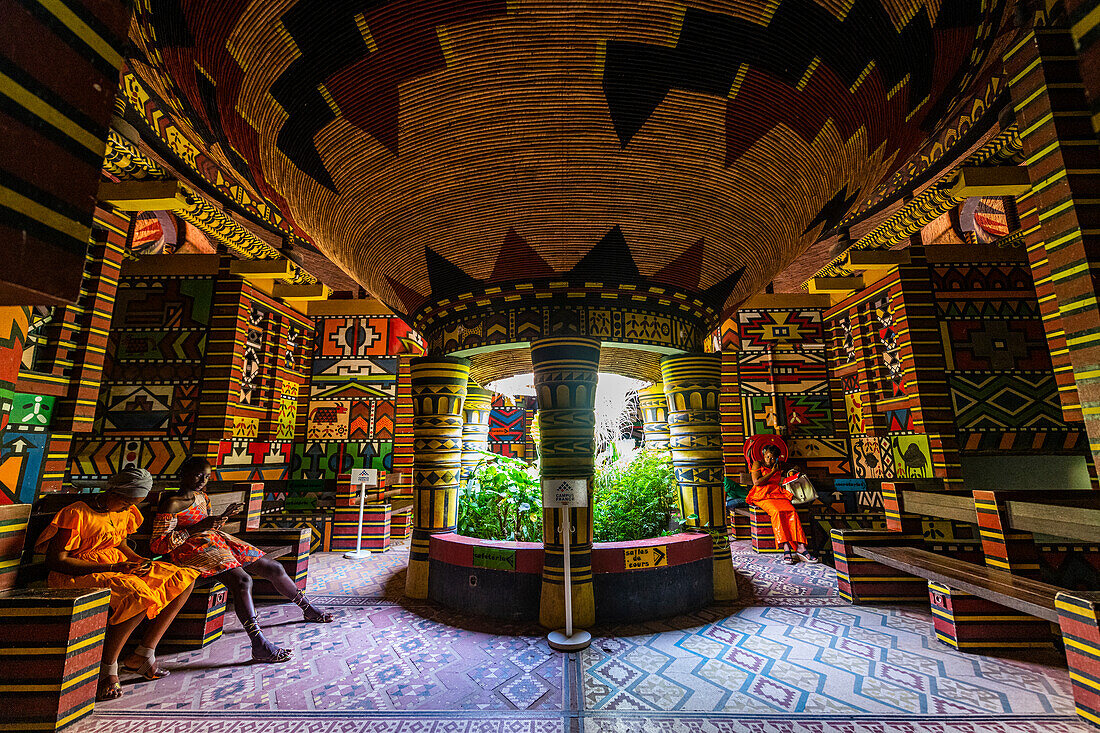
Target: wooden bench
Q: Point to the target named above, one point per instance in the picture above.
(1001, 604)
(201, 619)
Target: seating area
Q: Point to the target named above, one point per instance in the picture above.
(993, 604)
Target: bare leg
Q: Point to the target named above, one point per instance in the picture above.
(143, 660)
(113, 641)
(274, 573)
(239, 584)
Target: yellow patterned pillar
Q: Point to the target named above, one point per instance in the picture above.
(475, 428)
(438, 391)
(565, 382)
(654, 416)
(692, 383)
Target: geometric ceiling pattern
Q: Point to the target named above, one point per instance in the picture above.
(451, 146)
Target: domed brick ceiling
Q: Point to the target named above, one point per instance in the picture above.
(470, 162)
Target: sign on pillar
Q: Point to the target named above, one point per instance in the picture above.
(361, 478)
(564, 494)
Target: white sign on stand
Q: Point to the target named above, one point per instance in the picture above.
(560, 493)
(364, 477)
(564, 494)
(361, 477)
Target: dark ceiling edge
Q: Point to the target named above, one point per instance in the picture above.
(946, 162)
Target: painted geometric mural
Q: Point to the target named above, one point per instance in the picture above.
(351, 418)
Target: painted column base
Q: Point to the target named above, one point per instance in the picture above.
(969, 623)
(200, 620)
(51, 647)
(860, 580)
(552, 605)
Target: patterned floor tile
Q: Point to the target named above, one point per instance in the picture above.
(788, 657)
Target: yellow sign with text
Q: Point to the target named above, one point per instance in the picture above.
(640, 558)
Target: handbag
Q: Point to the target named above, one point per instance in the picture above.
(802, 490)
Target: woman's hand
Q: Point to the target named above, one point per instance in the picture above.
(210, 523)
(131, 567)
(235, 508)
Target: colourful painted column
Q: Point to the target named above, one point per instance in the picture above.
(654, 416)
(438, 391)
(475, 428)
(692, 382)
(566, 370)
(1062, 155)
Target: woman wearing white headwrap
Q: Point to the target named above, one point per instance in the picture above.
(85, 547)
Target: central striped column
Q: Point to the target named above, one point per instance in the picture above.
(692, 382)
(654, 416)
(565, 383)
(438, 391)
(475, 428)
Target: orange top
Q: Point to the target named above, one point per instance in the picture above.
(771, 489)
(96, 536)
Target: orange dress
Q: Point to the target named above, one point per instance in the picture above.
(210, 552)
(776, 501)
(95, 537)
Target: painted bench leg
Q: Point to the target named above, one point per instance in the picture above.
(1079, 617)
(200, 620)
(51, 647)
(969, 623)
(740, 527)
(760, 528)
(296, 563)
(376, 528)
(401, 524)
(860, 580)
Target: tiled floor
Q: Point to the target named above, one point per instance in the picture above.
(789, 657)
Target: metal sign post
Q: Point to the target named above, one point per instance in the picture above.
(565, 494)
(361, 477)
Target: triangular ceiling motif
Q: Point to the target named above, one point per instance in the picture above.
(518, 260)
(611, 259)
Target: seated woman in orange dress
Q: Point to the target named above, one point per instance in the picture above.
(185, 530)
(768, 493)
(85, 547)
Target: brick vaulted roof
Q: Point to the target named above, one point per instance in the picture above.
(437, 148)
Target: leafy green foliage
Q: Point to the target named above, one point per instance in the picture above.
(633, 499)
(501, 501)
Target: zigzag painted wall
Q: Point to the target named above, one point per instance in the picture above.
(354, 399)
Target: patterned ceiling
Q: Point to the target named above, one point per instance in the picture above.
(435, 148)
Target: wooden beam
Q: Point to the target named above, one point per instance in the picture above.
(255, 270)
(348, 307)
(173, 264)
(875, 259)
(837, 288)
(300, 293)
(787, 300)
(164, 195)
(1004, 180)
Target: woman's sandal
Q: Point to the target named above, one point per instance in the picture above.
(788, 558)
(317, 617)
(108, 690)
(809, 557)
(280, 656)
(148, 668)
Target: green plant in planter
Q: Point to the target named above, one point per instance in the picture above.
(501, 501)
(635, 500)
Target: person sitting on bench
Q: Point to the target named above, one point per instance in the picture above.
(768, 494)
(185, 530)
(85, 547)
